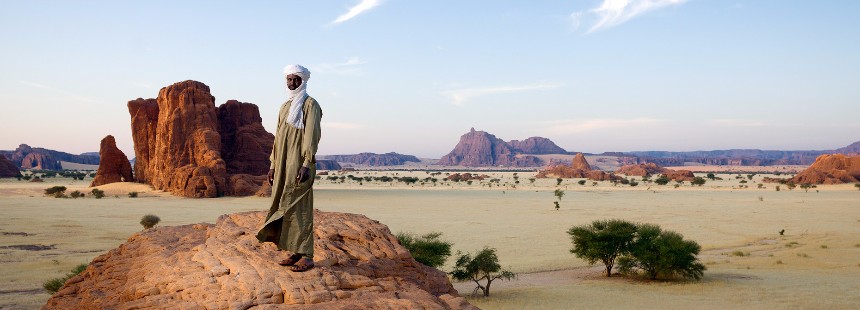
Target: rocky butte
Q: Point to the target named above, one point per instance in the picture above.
(360, 265)
(113, 166)
(831, 169)
(482, 149)
(39, 158)
(579, 168)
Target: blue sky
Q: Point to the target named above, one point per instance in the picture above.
(412, 76)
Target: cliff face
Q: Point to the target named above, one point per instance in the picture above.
(482, 149)
(327, 164)
(536, 145)
(39, 158)
(114, 165)
(245, 144)
(831, 169)
(360, 265)
(372, 159)
(7, 168)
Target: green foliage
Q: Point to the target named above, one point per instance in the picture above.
(698, 181)
(559, 193)
(77, 194)
(56, 284)
(857, 186)
(602, 240)
(27, 177)
(150, 220)
(483, 267)
(711, 176)
(558, 181)
(662, 253)
(132, 194)
(581, 182)
(53, 191)
(427, 249)
(532, 181)
(99, 194)
(662, 180)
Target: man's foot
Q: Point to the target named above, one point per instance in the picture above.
(304, 264)
(292, 260)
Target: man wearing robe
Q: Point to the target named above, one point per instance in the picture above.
(290, 221)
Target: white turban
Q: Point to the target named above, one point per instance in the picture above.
(296, 97)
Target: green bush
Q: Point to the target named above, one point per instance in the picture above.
(484, 266)
(77, 194)
(427, 249)
(53, 191)
(558, 181)
(150, 220)
(662, 180)
(56, 284)
(857, 186)
(698, 181)
(662, 253)
(581, 182)
(602, 240)
(132, 194)
(99, 194)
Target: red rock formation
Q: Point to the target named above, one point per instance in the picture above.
(245, 144)
(579, 162)
(536, 145)
(360, 265)
(7, 168)
(327, 164)
(39, 158)
(679, 175)
(651, 169)
(246, 184)
(181, 151)
(481, 149)
(579, 168)
(114, 165)
(831, 169)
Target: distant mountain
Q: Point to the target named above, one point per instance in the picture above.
(482, 149)
(536, 145)
(852, 149)
(739, 157)
(27, 157)
(373, 159)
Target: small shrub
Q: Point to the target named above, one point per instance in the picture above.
(823, 246)
(427, 249)
(792, 244)
(777, 188)
(56, 284)
(760, 198)
(803, 255)
(97, 193)
(150, 220)
(581, 182)
(740, 253)
(558, 181)
(662, 180)
(54, 190)
(77, 194)
(857, 186)
(698, 181)
(132, 195)
(779, 262)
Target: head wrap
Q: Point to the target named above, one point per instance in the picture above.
(296, 97)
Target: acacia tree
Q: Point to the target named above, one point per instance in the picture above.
(483, 267)
(603, 240)
(658, 252)
(427, 249)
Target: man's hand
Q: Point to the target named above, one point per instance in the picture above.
(271, 176)
(303, 175)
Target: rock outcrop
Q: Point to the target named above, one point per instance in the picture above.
(831, 169)
(245, 144)
(373, 159)
(327, 164)
(579, 168)
(7, 168)
(650, 169)
(360, 265)
(39, 158)
(114, 166)
(482, 149)
(536, 145)
(178, 149)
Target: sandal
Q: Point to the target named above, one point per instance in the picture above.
(302, 265)
(292, 260)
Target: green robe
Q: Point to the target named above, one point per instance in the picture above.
(290, 223)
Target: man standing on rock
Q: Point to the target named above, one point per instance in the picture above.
(290, 223)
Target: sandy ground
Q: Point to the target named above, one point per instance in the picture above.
(816, 263)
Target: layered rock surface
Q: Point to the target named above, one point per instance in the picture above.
(113, 166)
(482, 149)
(831, 169)
(373, 159)
(360, 265)
(7, 168)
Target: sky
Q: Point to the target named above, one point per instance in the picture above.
(413, 76)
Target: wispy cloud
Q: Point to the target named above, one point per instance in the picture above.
(737, 122)
(612, 13)
(37, 85)
(64, 93)
(351, 66)
(341, 125)
(562, 127)
(460, 96)
(361, 7)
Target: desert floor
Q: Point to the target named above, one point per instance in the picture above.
(816, 264)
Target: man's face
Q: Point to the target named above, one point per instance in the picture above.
(293, 81)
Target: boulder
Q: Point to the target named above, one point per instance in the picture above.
(579, 162)
(360, 265)
(114, 166)
(831, 169)
(7, 168)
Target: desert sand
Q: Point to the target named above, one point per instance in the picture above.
(816, 263)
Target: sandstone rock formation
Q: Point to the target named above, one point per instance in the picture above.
(373, 159)
(178, 149)
(831, 169)
(327, 164)
(679, 175)
(7, 168)
(113, 166)
(482, 149)
(652, 169)
(360, 265)
(245, 144)
(39, 158)
(579, 168)
(536, 145)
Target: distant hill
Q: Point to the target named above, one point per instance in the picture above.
(852, 149)
(373, 159)
(482, 149)
(739, 157)
(27, 157)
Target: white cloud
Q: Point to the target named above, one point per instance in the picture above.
(459, 96)
(350, 67)
(341, 125)
(612, 13)
(361, 7)
(37, 85)
(580, 126)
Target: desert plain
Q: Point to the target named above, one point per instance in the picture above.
(814, 264)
